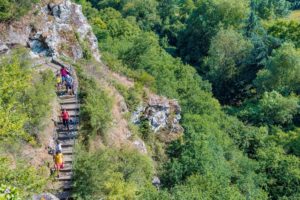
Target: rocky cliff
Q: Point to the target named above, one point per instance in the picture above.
(53, 28)
(56, 28)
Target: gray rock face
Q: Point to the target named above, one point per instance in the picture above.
(140, 146)
(3, 48)
(163, 115)
(53, 31)
(45, 196)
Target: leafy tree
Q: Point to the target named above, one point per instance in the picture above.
(272, 8)
(13, 9)
(205, 22)
(226, 61)
(271, 109)
(110, 174)
(5, 8)
(282, 171)
(286, 31)
(295, 4)
(282, 72)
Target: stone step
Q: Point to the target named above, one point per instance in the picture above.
(65, 173)
(67, 166)
(65, 185)
(67, 143)
(68, 159)
(72, 121)
(71, 112)
(66, 195)
(64, 178)
(71, 102)
(70, 105)
(65, 169)
(61, 138)
(69, 148)
(67, 100)
(67, 131)
(66, 96)
(67, 152)
(71, 133)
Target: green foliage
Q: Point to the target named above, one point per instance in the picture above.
(210, 153)
(96, 107)
(282, 72)
(5, 8)
(205, 22)
(37, 100)
(9, 193)
(132, 95)
(219, 157)
(286, 31)
(272, 8)
(23, 179)
(15, 79)
(226, 62)
(14, 9)
(22, 104)
(110, 174)
(271, 109)
(282, 171)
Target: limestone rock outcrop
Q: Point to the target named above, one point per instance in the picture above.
(162, 114)
(55, 28)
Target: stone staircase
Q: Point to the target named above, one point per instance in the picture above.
(67, 139)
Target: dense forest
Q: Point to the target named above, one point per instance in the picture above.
(242, 53)
(234, 66)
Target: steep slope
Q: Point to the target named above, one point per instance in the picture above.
(58, 29)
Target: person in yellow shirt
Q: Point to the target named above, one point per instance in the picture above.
(58, 82)
(58, 160)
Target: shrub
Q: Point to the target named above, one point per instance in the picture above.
(25, 180)
(110, 174)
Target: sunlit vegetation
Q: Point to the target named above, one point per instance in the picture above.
(239, 52)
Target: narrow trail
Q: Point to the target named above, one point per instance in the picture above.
(66, 138)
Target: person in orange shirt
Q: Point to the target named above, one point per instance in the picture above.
(58, 161)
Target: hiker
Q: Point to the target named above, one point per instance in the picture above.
(63, 72)
(58, 81)
(65, 119)
(58, 161)
(69, 85)
(58, 146)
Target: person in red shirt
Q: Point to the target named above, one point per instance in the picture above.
(65, 118)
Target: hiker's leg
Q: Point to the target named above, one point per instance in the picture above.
(67, 122)
(56, 170)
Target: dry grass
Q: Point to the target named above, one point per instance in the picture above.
(295, 15)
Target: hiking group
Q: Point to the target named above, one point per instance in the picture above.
(63, 80)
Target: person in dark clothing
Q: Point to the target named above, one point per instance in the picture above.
(69, 85)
